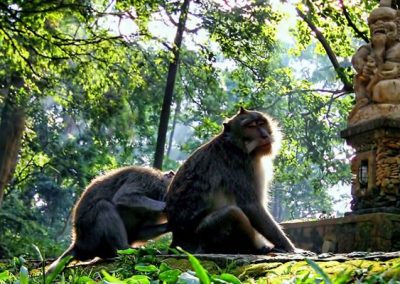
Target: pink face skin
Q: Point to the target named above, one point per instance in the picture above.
(168, 176)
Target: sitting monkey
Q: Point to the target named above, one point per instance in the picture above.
(217, 201)
(117, 209)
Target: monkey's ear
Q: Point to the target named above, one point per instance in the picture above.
(242, 110)
(227, 127)
(169, 174)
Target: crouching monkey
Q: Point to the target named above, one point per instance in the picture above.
(117, 209)
(216, 202)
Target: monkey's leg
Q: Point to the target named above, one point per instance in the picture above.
(228, 230)
(264, 223)
(101, 233)
(150, 231)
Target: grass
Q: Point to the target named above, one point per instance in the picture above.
(143, 266)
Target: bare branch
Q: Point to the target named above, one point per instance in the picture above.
(346, 14)
(175, 23)
(348, 86)
(333, 92)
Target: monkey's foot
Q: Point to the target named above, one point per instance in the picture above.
(304, 252)
(265, 250)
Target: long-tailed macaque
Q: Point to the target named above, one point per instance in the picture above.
(216, 202)
(117, 209)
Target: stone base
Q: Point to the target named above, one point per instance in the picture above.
(377, 145)
(366, 130)
(375, 111)
(394, 210)
(366, 232)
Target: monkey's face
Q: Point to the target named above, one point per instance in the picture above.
(168, 176)
(253, 132)
(257, 136)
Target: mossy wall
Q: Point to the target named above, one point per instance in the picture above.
(367, 232)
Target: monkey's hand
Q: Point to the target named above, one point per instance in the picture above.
(295, 251)
(304, 252)
(265, 250)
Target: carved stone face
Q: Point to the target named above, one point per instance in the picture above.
(382, 23)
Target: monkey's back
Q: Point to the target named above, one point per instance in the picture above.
(145, 181)
(205, 174)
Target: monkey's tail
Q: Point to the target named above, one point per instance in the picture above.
(59, 264)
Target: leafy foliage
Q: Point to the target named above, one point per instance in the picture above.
(93, 79)
(140, 266)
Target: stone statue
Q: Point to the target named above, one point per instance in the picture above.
(378, 63)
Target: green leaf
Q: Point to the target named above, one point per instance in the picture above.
(38, 252)
(170, 276)
(85, 280)
(319, 270)
(343, 277)
(146, 268)
(41, 159)
(128, 251)
(57, 270)
(23, 275)
(5, 275)
(138, 279)
(111, 279)
(201, 273)
(306, 275)
(227, 277)
(174, 251)
(164, 267)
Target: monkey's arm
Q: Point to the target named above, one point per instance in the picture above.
(265, 224)
(151, 231)
(128, 197)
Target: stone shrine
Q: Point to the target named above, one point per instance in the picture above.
(374, 123)
(374, 132)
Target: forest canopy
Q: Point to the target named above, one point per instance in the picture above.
(88, 86)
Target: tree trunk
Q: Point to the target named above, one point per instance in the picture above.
(12, 127)
(171, 136)
(277, 203)
(169, 89)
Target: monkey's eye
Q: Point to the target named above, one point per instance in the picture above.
(261, 122)
(251, 124)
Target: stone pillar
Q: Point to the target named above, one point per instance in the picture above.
(376, 165)
(374, 123)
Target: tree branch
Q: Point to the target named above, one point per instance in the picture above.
(19, 53)
(175, 23)
(348, 86)
(346, 14)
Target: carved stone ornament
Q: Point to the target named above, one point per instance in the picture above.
(377, 82)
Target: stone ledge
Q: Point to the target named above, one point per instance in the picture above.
(364, 232)
(383, 210)
(351, 217)
(374, 111)
(370, 125)
(223, 260)
(242, 259)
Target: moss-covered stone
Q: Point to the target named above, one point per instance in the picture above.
(255, 270)
(354, 269)
(184, 264)
(366, 232)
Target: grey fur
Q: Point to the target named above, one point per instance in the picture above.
(215, 203)
(117, 209)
